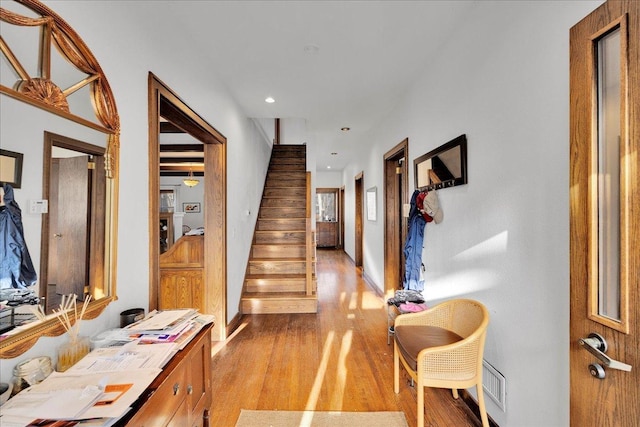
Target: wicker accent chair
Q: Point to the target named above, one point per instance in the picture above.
(442, 347)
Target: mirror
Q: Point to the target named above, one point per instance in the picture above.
(444, 167)
(51, 85)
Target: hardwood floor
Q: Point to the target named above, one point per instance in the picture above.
(335, 360)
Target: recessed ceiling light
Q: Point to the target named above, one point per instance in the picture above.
(269, 100)
(345, 129)
(328, 167)
(311, 49)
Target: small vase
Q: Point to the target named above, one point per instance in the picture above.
(71, 352)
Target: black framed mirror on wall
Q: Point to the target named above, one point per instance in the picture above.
(443, 167)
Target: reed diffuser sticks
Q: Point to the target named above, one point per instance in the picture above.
(77, 347)
(69, 303)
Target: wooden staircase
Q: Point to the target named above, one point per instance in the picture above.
(280, 275)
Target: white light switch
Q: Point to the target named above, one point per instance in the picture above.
(38, 206)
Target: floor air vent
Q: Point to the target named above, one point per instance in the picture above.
(494, 384)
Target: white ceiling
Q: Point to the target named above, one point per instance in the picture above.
(369, 54)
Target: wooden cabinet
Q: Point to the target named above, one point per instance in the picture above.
(182, 275)
(327, 234)
(181, 395)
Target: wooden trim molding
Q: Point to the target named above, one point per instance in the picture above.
(162, 100)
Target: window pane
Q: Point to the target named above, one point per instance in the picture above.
(609, 115)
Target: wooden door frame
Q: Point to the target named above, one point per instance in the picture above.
(341, 218)
(359, 226)
(215, 195)
(395, 224)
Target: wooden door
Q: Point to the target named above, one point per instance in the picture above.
(605, 216)
(69, 214)
(359, 206)
(396, 194)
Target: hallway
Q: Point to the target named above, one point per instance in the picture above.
(336, 360)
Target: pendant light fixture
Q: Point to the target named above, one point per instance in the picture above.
(190, 181)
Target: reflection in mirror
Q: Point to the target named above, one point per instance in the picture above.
(72, 260)
(51, 82)
(446, 166)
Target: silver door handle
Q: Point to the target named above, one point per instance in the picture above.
(596, 345)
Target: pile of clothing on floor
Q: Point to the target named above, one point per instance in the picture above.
(408, 301)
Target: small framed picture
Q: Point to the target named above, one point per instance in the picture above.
(191, 207)
(11, 168)
(371, 204)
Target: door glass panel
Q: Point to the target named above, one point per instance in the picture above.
(608, 119)
(326, 207)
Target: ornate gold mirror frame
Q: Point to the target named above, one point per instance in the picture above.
(40, 91)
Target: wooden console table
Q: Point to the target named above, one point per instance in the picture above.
(181, 395)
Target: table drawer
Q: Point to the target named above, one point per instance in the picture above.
(164, 402)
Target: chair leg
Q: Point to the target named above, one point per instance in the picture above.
(454, 391)
(420, 404)
(483, 409)
(396, 369)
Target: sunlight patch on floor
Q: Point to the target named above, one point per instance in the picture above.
(337, 395)
(217, 346)
(312, 402)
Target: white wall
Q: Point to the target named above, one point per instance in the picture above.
(328, 179)
(128, 42)
(503, 79)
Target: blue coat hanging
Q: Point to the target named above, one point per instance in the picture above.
(16, 267)
(413, 247)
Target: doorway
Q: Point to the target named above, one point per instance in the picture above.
(163, 102)
(74, 185)
(341, 218)
(359, 194)
(396, 195)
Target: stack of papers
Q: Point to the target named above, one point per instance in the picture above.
(100, 397)
(168, 326)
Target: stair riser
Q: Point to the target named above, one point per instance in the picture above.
(277, 267)
(280, 306)
(283, 185)
(276, 224)
(291, 202)
(288, 153)
(279, 237)
(289, 150)
(284, 192)
(278, 251)
(287, 167)
(282, 160)
(283, 213)
(267, 285)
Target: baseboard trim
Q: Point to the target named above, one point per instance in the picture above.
(234, 323)
(473, 408)
(369, 281)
